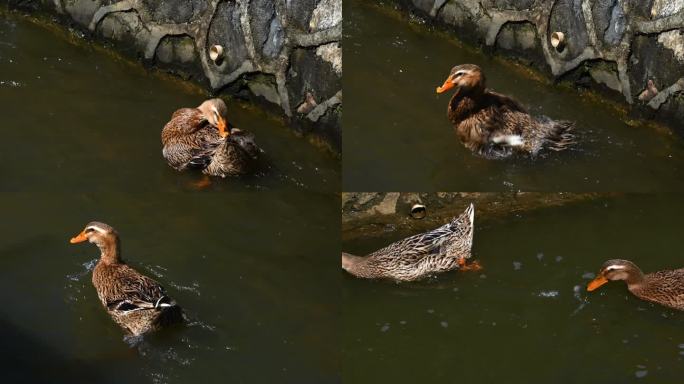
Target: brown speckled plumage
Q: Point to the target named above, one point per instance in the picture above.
(190, 140)
(662, 287)
(136, 302)
(418, 256)
(494, 125)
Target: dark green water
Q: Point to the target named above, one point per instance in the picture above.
(248, 259)
(526, 317)
(74, 119)
(397, 135)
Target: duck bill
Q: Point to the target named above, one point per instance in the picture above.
(222, 127)
(81, 237)
(596, 283)
(445, 87)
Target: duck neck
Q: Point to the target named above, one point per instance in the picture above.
(464, 102)
(110, 251)
(357, 266)
(635, 279)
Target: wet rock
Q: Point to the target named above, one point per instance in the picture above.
(468, 15)
(309, 73)
(299, 12)
(607, 78)
(82, 11)
(567, 17)
(650, 60)
(662, 8)
(231, 39)
(174, 11)
(674, 41)
(512, 4)
(327, 14)
(266, 89)
(332, 53)
(179, 49)
(267, 31)
(121, 26)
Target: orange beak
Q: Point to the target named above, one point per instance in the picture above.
(81, 237)
(597, 282)
(445, 87)
(222, 127)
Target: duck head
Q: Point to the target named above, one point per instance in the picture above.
(616, 270)
(214, 111)
(104, 236)
(464, 78)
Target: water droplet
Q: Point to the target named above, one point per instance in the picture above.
(540, 256)
(641, 374)
(444, 324)
(517, 265)
(385, 328)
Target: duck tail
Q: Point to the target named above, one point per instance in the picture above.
(561, 135)
(465, 219)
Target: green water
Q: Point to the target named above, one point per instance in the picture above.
(526, 317)
(75, 119)
(248, 259)
(397, 135)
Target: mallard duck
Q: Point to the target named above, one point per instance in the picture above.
(440, 250)
(136, 302)
(494, 125)
(201, 138)
(662, 287)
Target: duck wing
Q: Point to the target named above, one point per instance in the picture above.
(130, 291)
(502, 101)
(435, 241)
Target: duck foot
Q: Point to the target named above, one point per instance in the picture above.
(474, 266)
(203, 183)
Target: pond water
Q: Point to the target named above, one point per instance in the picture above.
(75, 118)
(526, 317)
(397, 135)
(81, 142)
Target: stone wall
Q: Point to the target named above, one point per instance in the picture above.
(631, 48)
(286, 54)
(368, 214)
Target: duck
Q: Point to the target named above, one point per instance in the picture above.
(201, 138)
(493, 125)
(137, 303)
(442, 249)
(663, 287)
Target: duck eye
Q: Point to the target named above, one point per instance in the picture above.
(88, 230)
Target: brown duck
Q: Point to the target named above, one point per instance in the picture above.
(136, 302)
(494, 125)
(201, 138)
(442, 249)
(662, 287)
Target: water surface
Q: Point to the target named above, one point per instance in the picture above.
(247, 258)
(526, 317)
(77, 118)
(397, 135)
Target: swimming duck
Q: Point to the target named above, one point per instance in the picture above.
(136, 302)
(663, 287)
(443, 249)
(201, 138)
(494, 125)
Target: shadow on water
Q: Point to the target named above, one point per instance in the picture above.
(526, 317)
(397, 135)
